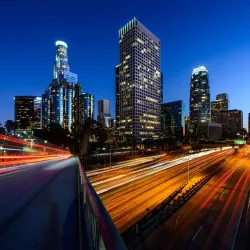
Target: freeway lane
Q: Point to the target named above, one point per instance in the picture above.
(38, 207)
(130, 192)
(212, 217)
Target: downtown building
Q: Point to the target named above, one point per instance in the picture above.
(104, 116)
(86, 106)
(199, 96)
(200, 125)
(28, 112)
(63, 101)
(138, 84)
(220, 104)
(172, 119)
(232, 123)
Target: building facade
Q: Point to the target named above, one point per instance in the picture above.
(138, 84)
(220, 104)
(232, 123)
(61, 62)
(172, 119)
(28, 111)
(104, 116)
(199, 95)
(61, 100)
(210, 131)
(87, 106)
(187, 125)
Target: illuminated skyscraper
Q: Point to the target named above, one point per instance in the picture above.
(28, 111)
(199, 95)
(61, 62)
(87, 105)
(138, 84)
(61, 101)
(61, 65)
(220, 104)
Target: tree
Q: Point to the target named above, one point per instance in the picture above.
(10, 126)
(2, 130)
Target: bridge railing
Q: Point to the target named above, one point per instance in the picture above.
(101, 231)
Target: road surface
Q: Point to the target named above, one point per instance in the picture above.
(216, 217)
(38, 206)
(129, 191)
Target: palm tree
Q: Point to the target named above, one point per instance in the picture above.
(10, 126)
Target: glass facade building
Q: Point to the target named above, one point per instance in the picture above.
(61, 62)
(87, 105)
(220, 104)
(199, 96)
(28, 108)
(61, 101)
(172, 119)
(138, 84)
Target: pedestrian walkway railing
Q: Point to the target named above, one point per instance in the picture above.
(101, 232)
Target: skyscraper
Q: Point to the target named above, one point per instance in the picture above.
(28, 111)
(61, 62)
(220, 104)
(61, 101)
(61, 65)
(199, 96)
(87, 105)
(232, 123)
(172, 119)
(104, 116)
(138, 84)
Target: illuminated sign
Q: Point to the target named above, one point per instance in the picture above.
(239, 142)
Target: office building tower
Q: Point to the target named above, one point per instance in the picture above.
(138, 84)
(61, 100)
(87, 106)
(28, 112)
(61, 62)
(232, 123)
(172, 119)
(69, 76)
(199, 96)
(46, 108)
(104, 116)
(161, 87)
(187, 125)
(78, 116)
(103, 106)
(220, 104)
(61, 65)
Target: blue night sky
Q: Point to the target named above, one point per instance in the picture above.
(214, 33)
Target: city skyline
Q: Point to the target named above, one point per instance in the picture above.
(226, 61)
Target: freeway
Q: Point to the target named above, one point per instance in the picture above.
(38, 205)
(129, 190)
(216, 217)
